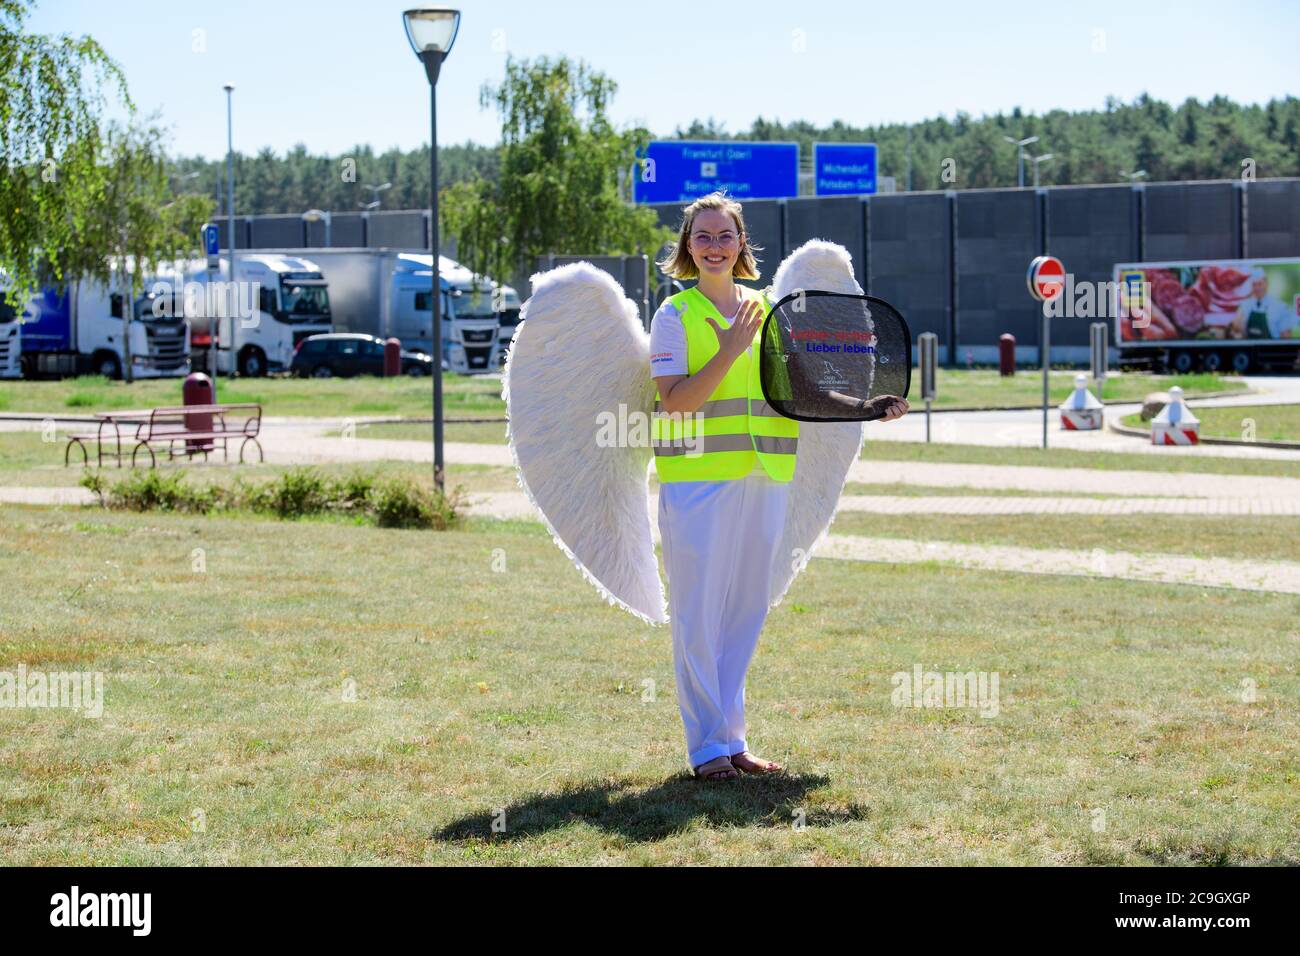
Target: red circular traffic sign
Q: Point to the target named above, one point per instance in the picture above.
(1046, 278)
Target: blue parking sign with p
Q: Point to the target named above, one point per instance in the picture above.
(211, 244)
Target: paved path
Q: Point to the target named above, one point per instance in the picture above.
(514, 504)
(1075, 480)
(1276, 576)
(46, 496)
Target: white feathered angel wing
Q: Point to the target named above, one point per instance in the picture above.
(826, 449)
(578, 397)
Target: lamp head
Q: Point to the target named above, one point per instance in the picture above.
(431, 32)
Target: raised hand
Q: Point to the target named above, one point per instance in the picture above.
(734, 340)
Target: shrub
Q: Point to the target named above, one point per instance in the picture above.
(298, 492)
(154, 490)
(94, 480)
(404, 504)
(354, 490)
(394, 503)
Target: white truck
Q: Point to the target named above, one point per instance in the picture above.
(79, 330)
(275, 303)
(387, 292)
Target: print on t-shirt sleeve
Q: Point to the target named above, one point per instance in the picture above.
(667, 343)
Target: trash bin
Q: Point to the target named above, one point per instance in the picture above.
(197, 390)
(392, 357)
(1006, 354)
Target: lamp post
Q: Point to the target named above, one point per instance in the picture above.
(1020, 145)
(1036, 160)
(320, 215)
(214, 324)
(431, 32)
(374, 191)
(1135, 175)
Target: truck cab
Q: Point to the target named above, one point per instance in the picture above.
(80, 330)
(275, 303)
(11, 348)
(470, 327)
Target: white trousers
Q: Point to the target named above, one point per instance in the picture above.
(719, 544)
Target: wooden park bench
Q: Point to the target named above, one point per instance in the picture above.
(183, 430)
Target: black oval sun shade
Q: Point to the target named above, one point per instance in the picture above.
(824, 352)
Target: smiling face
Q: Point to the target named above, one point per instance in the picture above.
(714, 242)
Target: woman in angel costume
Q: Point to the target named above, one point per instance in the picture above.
(744, 493)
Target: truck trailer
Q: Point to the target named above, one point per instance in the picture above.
(387, 293)
(1238, 315)
(79, 330)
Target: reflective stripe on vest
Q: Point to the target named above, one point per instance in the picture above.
(719, 442)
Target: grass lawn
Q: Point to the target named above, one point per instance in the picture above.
(985, 388)
(492, 683)
(1260, 538)
(464, 395)
(27, 460)
(1242, 422)
(479, 396)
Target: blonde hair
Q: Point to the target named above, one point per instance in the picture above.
(678, 262)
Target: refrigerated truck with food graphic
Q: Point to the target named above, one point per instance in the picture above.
(275, 303)
(79, 330)
(1235, 315)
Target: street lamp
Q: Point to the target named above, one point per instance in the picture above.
(214, 323)
(1020, 145)
(374, 191)
(431, 32)
(320, 215)
(1135, 175)
(1036, 160)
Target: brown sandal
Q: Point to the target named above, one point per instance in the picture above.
(761, 766)
(719, 768)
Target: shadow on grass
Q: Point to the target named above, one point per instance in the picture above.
(660, 811)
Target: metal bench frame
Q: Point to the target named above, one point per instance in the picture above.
(167, 426)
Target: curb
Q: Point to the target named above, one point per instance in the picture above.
(1109, 401)
(1205, 440)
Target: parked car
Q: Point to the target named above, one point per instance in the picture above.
(345, 354)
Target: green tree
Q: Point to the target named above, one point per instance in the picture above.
(52, 92)
(559, 188)
(141, 222)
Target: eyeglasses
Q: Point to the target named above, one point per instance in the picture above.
(724, 240)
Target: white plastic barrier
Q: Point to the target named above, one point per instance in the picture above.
(1175, 425)
(1081, 411)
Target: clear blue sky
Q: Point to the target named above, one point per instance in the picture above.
(333, 73)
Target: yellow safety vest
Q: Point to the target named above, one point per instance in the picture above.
(721, 440)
